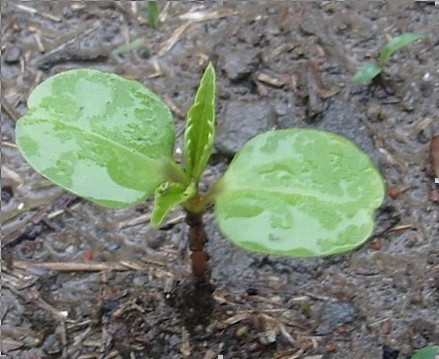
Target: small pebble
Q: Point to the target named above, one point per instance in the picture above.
(386, 327)
(88, 255)
(254, 347)
(52, 345)
(331, 348)
(341, 330)
(268, 337)
(12, 55)
(114, 247)
(241, 331)
(67, 12)
(334, 315)
(389, 353)
(7, 193)
(376, 244)
(140, 281)
(239, 65)
(252, 291)
(144, 52)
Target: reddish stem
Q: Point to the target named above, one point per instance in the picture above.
(197, 241)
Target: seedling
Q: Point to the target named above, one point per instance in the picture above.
(293, 192)
(431, 352)
(366, 74)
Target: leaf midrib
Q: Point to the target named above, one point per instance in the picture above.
(203, 124)
(91, 134)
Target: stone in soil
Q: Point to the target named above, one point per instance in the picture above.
(7, 194)
(239, 65)
(240, 121)
(345, 119)
(389, 353)
(52, 345)
(334, 315)
(12, 55)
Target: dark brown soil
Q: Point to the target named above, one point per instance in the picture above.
(79, 281)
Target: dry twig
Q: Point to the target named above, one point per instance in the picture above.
(77, 267)
(32, 10)
(176, 35)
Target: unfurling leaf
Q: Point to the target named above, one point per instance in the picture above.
(430, 352)
(98, 135)
(200, 126)
(396, 44)
(168, 196)
(298, 192)
(367, 73)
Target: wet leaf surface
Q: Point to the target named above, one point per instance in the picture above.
(403, 274)
(98, 135)
(302, 193)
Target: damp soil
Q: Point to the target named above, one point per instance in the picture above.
(80, 281)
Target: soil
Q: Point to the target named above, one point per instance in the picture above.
(80, 281)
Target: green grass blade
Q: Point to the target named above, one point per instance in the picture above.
(367, 73)
(396, 44)
(153, 14)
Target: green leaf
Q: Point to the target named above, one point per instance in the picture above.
(153, 14)
(427, 353)
(396, 44)
(200, 126)
(98, 135)
(299, 192)
(168, 196)
(367, 73)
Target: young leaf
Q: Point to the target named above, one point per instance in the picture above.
(200, 126)
(299, 192)
(396, 44)
(430, 352)
(168, 196)
(367, 73)
(98, 135)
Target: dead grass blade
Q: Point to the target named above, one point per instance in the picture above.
(175, 37)
(32, 10)
(199, 16)
(79, 267)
